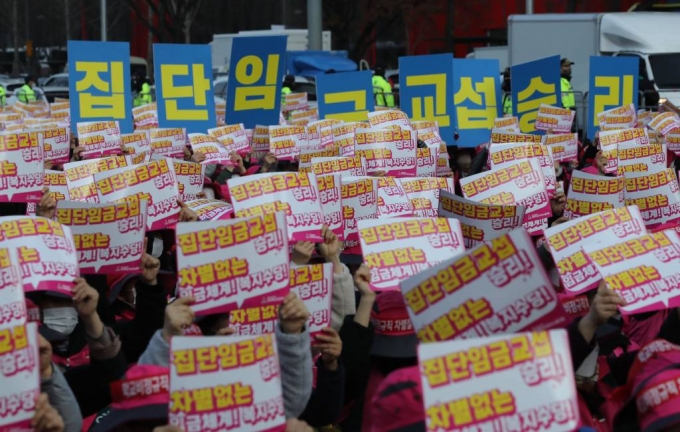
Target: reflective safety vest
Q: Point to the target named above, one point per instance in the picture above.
(285, 91)
(3, 97)
(382, 91)
(568, 100)
(507, 104)
(26, 94)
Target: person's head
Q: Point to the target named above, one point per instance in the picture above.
(398, 402)
(379, 71)
(289, 81)
(58, 313)
(144, 404)
(506, 80)
(395, 341)
(30, 80)
(464, 161)
(565, 68)
(123, 289)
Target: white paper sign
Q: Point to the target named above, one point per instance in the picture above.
(558, 120)
(396, 249)
(208, 209)
(424, 193)
(244, 367)
(169, 142)
(592, 194)
(233, 264)
(656, 195)
(99, 139)
(392, 199)
(493, 383)
(109, 238)
(22, 168)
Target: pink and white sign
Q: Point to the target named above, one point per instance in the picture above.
(169, 142)
(154, 181)
(46, 252)
(22, 169)
(392, 199)
(387, 119)
(565, 242)
(656, 195)
(493, 383)
(244, 367)
(592, 194)
(209, 210)
(286, 141)
(344, 136)
(558, 120)
(354, 166)
(57, 144)
(214, 151)
(296, 194)
(330, 195)
(643, 271)
(190, 177)
(499, 287)
(233, 264)
(479, 222)
(564, 147)
(359, 202)
(424, 193)
(109, 238)
(396, 249)
(233, 137)
(503, 155)
(145, 116)
(99, 139)
(137, 142)
(80, 180)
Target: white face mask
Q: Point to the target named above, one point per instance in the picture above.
(61, 319)
(157, 248)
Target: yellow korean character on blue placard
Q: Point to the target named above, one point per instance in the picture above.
(100, 85)
(184, 93)
(255, 77)
(347, 96)
(613, 83)
(425, 86)
(535, 83)
(476, 98)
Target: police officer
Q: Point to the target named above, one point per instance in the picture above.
(568, 100)
(287, 88)
(26, 93)
(144, 95)
(507, 95)
(382, 89)
(3, 97)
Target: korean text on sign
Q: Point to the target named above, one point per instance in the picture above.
(520, 183)
(208, 210)
(534, 84)
(643, 271)
(425, 89)
(396, 249)
(184, 87)
(613, 82)
(498, 287)
(154, 181)
(564, 147)
(80, 180)
(479, 222)
(557, 120)
(46, 251)
(591, 194)
(20, 376)
(233, 264)
(100, 84)
(295, 194)
(656, 195)
(109, 238)
(169, 142)
(313, 284)
(330, 196)
(392, 199)
(477, 99)
(359, 202)
(347, 96)
(225, 383)
(13, 309)
(99, 139)
(22, 170)
(254, 87)
(424, 193)
(577, 272)
(492, 383)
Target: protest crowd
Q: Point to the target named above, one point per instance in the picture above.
(333, 272)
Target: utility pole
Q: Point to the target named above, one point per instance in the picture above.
(16, 65)
(314, 17)
(103, 19)
(529, 7)
(67, 20)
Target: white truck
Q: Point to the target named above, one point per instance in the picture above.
(298, 40)
(652, 37)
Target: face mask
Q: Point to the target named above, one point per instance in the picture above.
(61, 319)
(558, 171)
(157, 248)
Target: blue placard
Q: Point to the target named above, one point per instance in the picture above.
(477, 99)
(613, 82)
(255, 78)
(184, 93)
(535, 83)
(346, 96)
(425, 87)
(99, 86)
